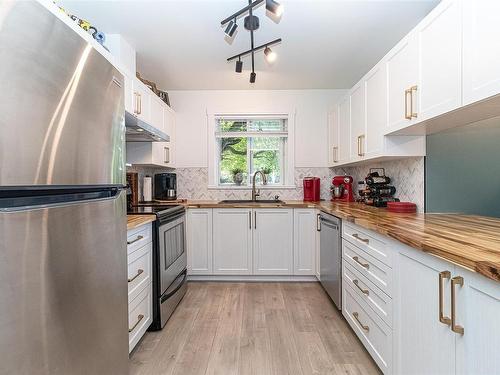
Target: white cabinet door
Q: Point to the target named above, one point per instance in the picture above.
(157, 111)
(344, 130)
(478, 312)
(358, 121)
(481, 50)
(143, 97)
(402, 77)
(130, 97)
(440, 61)
(232, 241)
(333, 137)
(161, 154)
(304, 241)
(272, 241)
(376, 109)
(422, 344)
(199, 241)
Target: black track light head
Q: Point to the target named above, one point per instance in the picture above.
(274, 7)
(252, 77)
(239, 66)
(231, 28)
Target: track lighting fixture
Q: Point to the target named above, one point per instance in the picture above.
(270, 55)
(239, 66)
(274, 7)
(231, 28)
(252, 24)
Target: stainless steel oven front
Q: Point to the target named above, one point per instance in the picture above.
(170, 265)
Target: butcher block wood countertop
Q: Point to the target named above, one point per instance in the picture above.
(135, 221)
(469, 241)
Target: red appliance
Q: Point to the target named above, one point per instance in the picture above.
(343, 185)
(311, 189)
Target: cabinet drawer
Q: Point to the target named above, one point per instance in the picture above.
(138, 237)
(375, 271)
(139, 270)
(378, 301)
(375, 335)
(368, 241)
(139, 317)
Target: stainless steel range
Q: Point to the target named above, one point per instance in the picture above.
(169, 260)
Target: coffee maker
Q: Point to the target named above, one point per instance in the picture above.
(165, 187)
(342, 189)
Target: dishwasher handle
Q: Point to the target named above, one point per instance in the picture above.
(328, 223)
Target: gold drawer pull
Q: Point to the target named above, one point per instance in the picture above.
(365, 240)
(443, 275)
(139, 272)
(364, 291)
(365, 265)
(139, 318)
(356, 316)
(407, 116)
(457, 280)
(137, 239)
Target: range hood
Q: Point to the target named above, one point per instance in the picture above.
(137, 130)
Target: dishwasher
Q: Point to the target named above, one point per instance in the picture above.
(331, 257)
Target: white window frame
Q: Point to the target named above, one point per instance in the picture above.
(289, 153)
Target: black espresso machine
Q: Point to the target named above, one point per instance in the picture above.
(165, 187)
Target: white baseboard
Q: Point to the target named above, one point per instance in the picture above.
(253, 278)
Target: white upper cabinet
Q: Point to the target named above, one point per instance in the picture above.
(439, 36)
(481, 49)
(358, 121)
(157, 112)
(142, 97)
(376, 109)
(333, 137)
(344, 130)
(273, 241)
(402, 79)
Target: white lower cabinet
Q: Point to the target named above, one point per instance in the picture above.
(272, 241)
(304, 241)
(232, 241)
(140, 304)
(423, 345)
(199, 241)
(245, 241)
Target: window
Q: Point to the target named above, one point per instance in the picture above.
(244, 145)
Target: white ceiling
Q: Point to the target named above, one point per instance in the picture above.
(326, 44)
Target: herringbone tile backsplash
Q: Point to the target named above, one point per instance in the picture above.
(407, 176)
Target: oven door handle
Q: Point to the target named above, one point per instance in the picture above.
(170, 294)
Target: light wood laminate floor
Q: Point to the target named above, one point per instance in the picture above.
(253, 328)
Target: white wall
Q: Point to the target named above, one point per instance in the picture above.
(310, 106)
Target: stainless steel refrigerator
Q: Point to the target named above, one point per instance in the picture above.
(63, 267)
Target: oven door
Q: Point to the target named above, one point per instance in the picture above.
(172, 248)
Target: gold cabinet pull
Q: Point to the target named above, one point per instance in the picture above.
(365, 240)
(335, 154)
(407, 116)
(139, 273)
(364, 291)
(139, 318)
(136, 103)
(360, 145)
(167, 154)
(443, 275)
(365, 265)
(140, 104)
(137, 239)
(457, 280)
(412, 114)
(356, 316)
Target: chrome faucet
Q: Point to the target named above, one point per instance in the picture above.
(256, 192)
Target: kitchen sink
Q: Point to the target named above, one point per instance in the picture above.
(251, 201)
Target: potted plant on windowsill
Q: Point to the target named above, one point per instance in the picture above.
(267, 171)
(237, 175)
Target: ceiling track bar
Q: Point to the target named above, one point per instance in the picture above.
(242, 11)
(262, 46)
